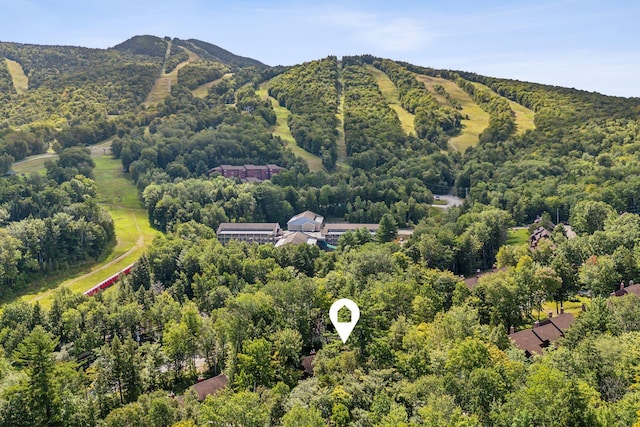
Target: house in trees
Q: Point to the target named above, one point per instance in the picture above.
(249, 232)
(210, 386)
(624, 290)
(332, 232)
(306, 221)
(543, 333)
(539, 234)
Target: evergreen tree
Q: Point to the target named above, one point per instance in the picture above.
(388, 229)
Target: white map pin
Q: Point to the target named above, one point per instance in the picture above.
(344, 328)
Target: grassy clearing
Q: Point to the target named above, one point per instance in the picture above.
(33, 164)
(517, 236)
(341, 141)
(390, 92)
(573, 307)
(282, 130)
(477, 121)
(118, 194)
(20, 80)
(524, 116)
(162, 86)
(203, 90)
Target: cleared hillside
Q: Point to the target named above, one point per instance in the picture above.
(162, 86)
(524, 116)
(390, 92)
(476, 119)
(202, 90)
(281, 129)
(20, 80)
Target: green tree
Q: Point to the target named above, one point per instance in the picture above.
(35, 354)
(588, 216)
(599, 275)
(388, 229)
(303, 417)
(549, 399)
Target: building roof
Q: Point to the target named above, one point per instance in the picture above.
(542, 334)
(307, 363)
(472, 281)
(547, 331)
(539, 234)
(528, 341)
(248, 227)
(210, 386)
(631, 289)
(342, 227)
(563, 321)
(308, 215)
(296, 238)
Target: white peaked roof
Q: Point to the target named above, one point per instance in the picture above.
(307, 215)
(296, 238)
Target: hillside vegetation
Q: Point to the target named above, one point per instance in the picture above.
(430, 349)
(475, 119)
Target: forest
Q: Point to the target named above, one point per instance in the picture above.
(429, 350)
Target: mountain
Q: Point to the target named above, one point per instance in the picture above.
(515, 145)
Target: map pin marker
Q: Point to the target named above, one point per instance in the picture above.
(344, 328)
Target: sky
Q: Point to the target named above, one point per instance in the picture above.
(586, 44)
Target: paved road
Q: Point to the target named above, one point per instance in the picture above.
(451, 201)
(39, 156)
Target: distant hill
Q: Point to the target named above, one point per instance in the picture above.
(216, 53)
(144, 45)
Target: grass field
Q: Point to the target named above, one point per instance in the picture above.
(20, 80)
(517, 236)
(34, 164)
(203, 90)
(282, 130)
(478, 119)
(524, 116)
(118, 194)
(390, 92)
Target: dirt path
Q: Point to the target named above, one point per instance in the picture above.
(36, 157)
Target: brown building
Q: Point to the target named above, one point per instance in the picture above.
(247, 173)
(249, 232)
(631, 289)
(539, 234)
(472, 281)
(543, 333)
